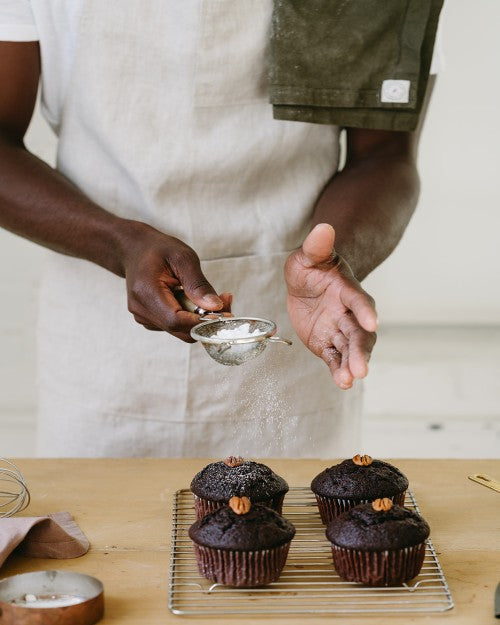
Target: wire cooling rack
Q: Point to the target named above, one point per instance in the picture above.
(308, 583)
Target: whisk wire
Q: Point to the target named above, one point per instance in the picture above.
(14, 493)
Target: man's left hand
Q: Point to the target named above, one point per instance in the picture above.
(330, 312)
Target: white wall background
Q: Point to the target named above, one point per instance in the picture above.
(447, 269)
(443, 281)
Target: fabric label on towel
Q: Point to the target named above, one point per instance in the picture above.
(395, 91)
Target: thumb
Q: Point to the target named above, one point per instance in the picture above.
(198, 288)
(318, 245)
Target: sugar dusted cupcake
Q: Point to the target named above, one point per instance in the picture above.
(359, 480)
(241, 544)
(378, 543)
(214, 485)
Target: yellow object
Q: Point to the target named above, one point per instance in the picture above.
(486, 480)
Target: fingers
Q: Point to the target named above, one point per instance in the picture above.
(355, 299)
(186, 267)
(227, 301)
(318, 245)
(338, 362)
(360, 345)
(159, 310)
(180, 335)
(342, 374)
(146, 323)
(154, 306)
(336, 357)
(348, 353)
(160, 263)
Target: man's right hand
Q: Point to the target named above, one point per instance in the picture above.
(38, 203)
(153, 264)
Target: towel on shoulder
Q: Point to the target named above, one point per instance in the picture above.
(359, 63)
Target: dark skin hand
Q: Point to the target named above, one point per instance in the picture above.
(370, 203)
(38, 203)
(333, 316)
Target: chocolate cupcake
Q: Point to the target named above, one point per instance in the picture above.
(242, 544)
(378, 543)
(214, 485)
(357, 481)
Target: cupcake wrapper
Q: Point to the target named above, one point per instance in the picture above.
(379, 568)
(244, 569)
(329, 507)
(202, 507)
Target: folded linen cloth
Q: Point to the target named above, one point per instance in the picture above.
(361, 63)
(52, 536)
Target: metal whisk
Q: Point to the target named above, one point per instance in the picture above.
(14, 494)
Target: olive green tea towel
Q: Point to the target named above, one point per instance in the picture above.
(361, 63)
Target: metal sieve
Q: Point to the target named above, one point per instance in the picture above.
(236, 351)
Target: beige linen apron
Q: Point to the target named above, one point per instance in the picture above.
(167, 121)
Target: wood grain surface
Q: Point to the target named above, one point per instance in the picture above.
(124, 507)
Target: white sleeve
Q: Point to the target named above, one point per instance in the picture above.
(16, 21)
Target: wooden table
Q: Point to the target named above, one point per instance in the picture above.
(124, 507)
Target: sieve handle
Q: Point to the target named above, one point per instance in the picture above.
(278, 339)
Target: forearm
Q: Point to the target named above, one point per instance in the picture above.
(38, 203)
(369, 204)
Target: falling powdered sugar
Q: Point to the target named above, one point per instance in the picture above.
(267, 424)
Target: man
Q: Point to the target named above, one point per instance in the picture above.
(168, 154)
